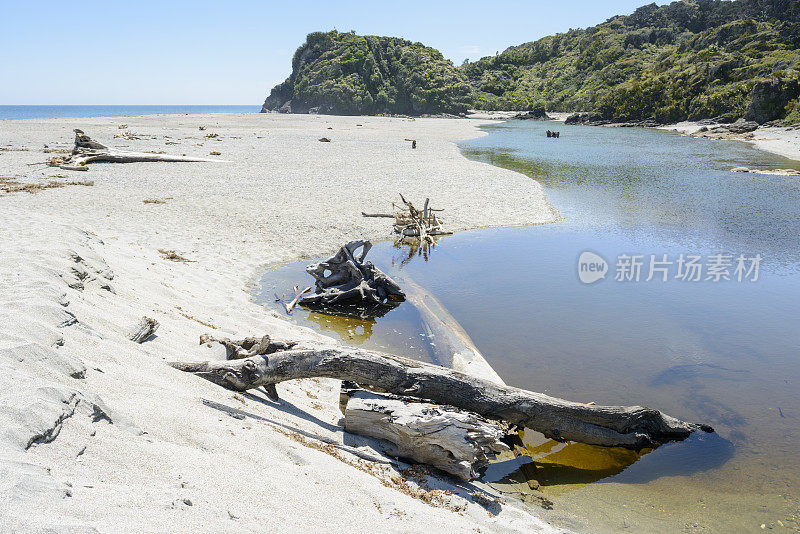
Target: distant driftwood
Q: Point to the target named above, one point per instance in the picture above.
(143, 330)
(626, 426)
(87, 151)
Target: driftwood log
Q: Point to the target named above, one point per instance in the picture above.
(87, 150)
(248, 347)
(346, 278)
(452, 347)
(626, 426)
(455, 441)
(145, 328)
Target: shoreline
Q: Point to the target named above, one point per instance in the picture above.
(83, 264)
(783, 141)
(780, 140)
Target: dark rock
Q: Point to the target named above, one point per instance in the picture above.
(591, 117)
(741, 126)
(535, 115)
(278, 98)
(286, 107)
(769, 99)
(648, 123)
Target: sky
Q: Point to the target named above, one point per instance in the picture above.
(233, 51)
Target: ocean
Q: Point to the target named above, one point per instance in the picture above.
(58, 112)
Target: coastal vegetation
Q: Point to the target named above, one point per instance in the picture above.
(686, 60)
(348, 74)
(691, 59)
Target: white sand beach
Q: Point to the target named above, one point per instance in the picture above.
(97, 433)
(782, 141)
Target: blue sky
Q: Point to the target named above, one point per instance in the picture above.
(233, 52)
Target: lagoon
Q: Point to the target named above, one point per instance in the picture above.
(720, 352)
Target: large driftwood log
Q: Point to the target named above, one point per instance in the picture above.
(347, 279)
(247, 347)
(87, 151)
(626, 426)
(457, 442)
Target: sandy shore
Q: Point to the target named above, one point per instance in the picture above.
(96, 432)
(782, 141)
(505, 115)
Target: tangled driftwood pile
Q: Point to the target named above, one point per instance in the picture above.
(346, 278)
(87, 151)
(410, 222)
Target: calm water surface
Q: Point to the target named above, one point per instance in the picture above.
(721, 353)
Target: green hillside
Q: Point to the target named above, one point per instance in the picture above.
(348, 74)
(687, 60)
(690, 59)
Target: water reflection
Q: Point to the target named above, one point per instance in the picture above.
(555, 468)
(723, 354)
(411, 248)
(355, 331)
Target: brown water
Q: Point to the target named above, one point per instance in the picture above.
(722, 353)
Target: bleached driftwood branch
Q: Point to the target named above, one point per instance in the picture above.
(145, 328)
(248, 347)
(455, 441)
(626, 426)
(87, 151)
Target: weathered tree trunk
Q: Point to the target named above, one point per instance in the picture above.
(631, 426)
(89, 151)
(457, 442)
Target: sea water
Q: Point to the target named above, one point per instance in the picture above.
(57, 112)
